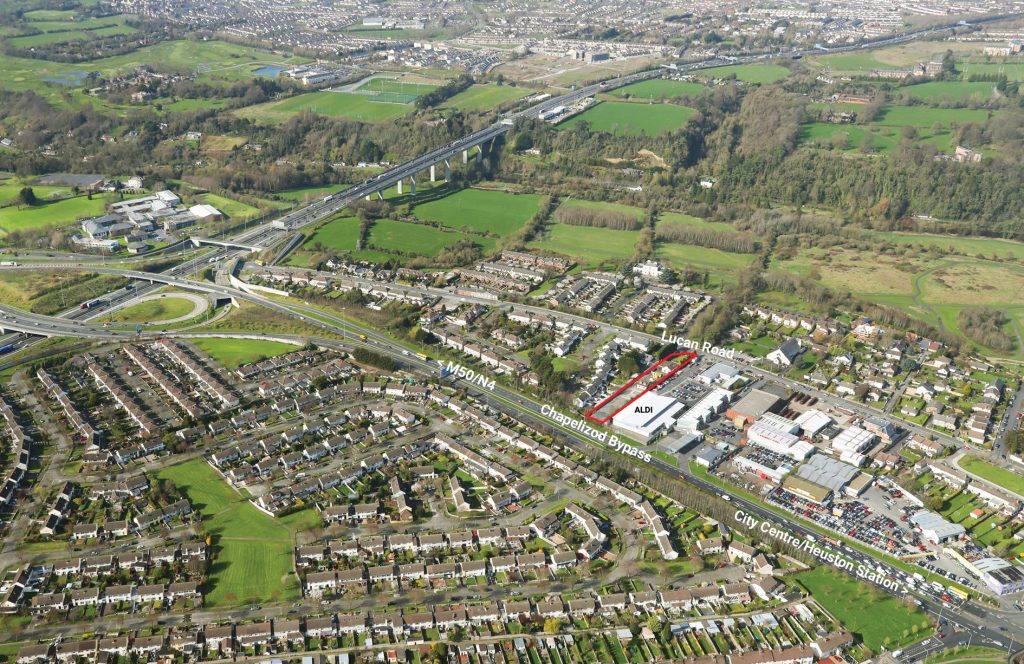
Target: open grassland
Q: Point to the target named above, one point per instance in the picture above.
(659, 88)
(592, 247)
(1013, 71)
(487, 211)
(341, 234)
(331, 104)
(757, 73)
(419, 239)
(213, 143)
(312, 193)
(892, 57)
(213, 60)
(252, 551)
(633, 118)
(936, 91)
(10, 188)
(878, 619)
(848, 270)
(49, 215)
(847, 137)
(231, 208)
(164, 308)
(1003, 477)
(19, 288)
(485, 97)
(966, 246)
(974, 283)
(921, 116)
(683, 219)
(232, 353)
(720, 263)
(601, 205)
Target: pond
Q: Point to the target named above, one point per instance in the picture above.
(269, 70)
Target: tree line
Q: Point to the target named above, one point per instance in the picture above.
(597, 218)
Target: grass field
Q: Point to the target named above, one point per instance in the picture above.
(591, 246)
(49, 215)
(481, 210)
(936, 91)
(213, 60)
(484, 97)
(967, 246)
(1014, 71)
(419, 239)
(331, 104)
(311, 193)
(659, 88)
(846, 137)
(620, 118)
(9, 190)
(669, 218)
(232, 353)
(1005, 478)
(919, 116)
(749, 73)
(252, 551)
(233, 209)
(601, 205)
(877, 618)
(720, 264)
(165, 308)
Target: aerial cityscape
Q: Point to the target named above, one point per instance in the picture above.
(511, 332)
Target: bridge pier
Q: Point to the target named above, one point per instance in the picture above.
(400, 189)
(369, 196)
(480, 154)
(380, 196)
(433, 172)
(465, 156)
(447, 170)
(412, 185)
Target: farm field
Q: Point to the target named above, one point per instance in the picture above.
(620, 118)
(252, 552)
(486, 211)
(332, 104)
(165, 308)
(484, 97)
(749, 73)
(659, 89)
(1007, 479)
(49, 215)
(592, 246)
(879, 619)
(232, 353)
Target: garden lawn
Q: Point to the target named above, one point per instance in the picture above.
(252, 552)
(481, 210)
(1007, 479)
(232, 353)
(877, 618)
(634, 118)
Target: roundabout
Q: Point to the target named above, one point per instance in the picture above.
(159, 309)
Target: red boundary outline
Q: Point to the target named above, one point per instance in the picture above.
(690, 357)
